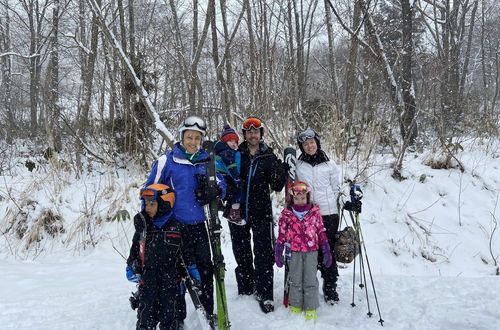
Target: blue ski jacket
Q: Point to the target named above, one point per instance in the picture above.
(176, 171)
(227, 160)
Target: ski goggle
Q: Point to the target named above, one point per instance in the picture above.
(252, 122)
(307, 134)
(149, 194)
(195, 121)
(299, 187)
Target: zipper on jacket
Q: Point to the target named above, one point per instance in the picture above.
(249, 179)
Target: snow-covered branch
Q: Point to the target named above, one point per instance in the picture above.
(19, 55)
(143, 94)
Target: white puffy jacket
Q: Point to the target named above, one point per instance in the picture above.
(324, 180)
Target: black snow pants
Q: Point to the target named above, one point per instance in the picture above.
(250, 279)
(329, 275)
(203, 260)
(158, 299)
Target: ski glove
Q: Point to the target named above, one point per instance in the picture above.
(193, 272)
(327, 255)
(280, 170)
(131, 275)
(278, 254)
(207, 194)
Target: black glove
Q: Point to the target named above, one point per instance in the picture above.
(353, 206)
(204, 196)
(281, 170)
(285, 167)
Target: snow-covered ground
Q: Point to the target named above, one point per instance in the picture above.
(428, 240)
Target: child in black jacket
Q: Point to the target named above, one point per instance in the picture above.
(159, 242)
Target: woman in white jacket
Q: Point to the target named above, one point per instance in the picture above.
(322, 174)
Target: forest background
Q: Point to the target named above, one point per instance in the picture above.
(370, 76)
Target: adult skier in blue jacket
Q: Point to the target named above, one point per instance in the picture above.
(184, 168)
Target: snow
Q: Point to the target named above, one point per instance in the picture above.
(63, 283)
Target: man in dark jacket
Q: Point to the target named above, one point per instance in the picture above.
(260, 171)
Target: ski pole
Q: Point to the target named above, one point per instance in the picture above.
(381, 321)
(353, 281)
(356, 224)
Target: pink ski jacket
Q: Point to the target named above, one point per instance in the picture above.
(304, 236)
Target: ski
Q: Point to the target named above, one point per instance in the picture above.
(290, 157)
(214, 231)
(194, 293)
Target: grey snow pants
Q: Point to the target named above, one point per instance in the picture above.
(303, 282)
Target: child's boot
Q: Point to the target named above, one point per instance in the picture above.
(295, 310)
(235, 217)
(311, 315)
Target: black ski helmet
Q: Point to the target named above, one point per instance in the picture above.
(308, 134)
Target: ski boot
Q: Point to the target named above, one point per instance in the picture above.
(311, 315)
(235, 217)
(267, 306)
(330, 294)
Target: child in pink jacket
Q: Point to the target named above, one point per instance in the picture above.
(301, 226)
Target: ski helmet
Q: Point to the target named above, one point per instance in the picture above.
(193, 123)
(253, 122)
(161, 193)
(308, 134)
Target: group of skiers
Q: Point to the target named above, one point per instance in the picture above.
(171, 240)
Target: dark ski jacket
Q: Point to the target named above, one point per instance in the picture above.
(163, 245)
(260, 174)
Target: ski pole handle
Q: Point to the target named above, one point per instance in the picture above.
(356, 193)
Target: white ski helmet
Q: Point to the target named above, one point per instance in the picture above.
(193, 123)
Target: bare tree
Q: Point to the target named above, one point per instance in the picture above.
(6, 67)
(331, 62)
(35, 11)
(53, 109)
(87, 73)
(447, 23)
